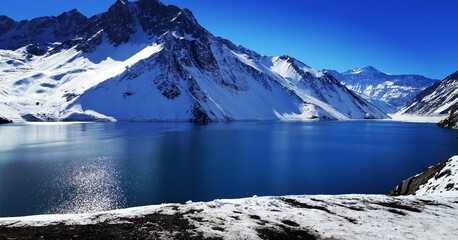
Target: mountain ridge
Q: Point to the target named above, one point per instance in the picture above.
(146, 61)
(389, 92)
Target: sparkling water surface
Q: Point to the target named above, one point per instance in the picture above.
(87, 167)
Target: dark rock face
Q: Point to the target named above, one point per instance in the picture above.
(199, 115)
(90, 44)
(452, 120)
(68, 24)
(156, 19)
(411, 185)
(118, 22)
(6, 24)
(150, 11)
(14, 35)
(38, 49)
(31, 118)
(4, 120)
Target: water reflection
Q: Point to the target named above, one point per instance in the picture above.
(94, 167)
(89, 185)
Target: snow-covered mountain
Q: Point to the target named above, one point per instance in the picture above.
(386, 91)
(435, 100)
(143, 61)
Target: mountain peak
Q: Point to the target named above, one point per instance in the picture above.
(119, 5)
(370, 68)
(72, 13)
(367, 69)
(5, 24)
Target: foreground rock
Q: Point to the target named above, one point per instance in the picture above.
(452, 120)
(430, 214)
(440, 179)
(413, 184)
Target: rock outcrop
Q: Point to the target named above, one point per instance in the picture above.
(440, 179)
(413, 184)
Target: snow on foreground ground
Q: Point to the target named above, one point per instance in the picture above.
(432, 213)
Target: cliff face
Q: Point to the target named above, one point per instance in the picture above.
(440, 179)
(412, 185)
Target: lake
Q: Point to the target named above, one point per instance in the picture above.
(84, 167)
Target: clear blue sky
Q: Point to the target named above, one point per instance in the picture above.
(395, 36)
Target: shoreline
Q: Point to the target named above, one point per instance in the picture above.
(393, 118)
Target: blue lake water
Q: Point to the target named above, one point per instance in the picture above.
(85, 167)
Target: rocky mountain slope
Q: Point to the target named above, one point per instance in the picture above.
(452, 120)
(431, 214)
(143, 61)
(386, 91)
(435, 100)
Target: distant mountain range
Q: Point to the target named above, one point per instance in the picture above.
(386, 91)
(146, 61)
(438, 99)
